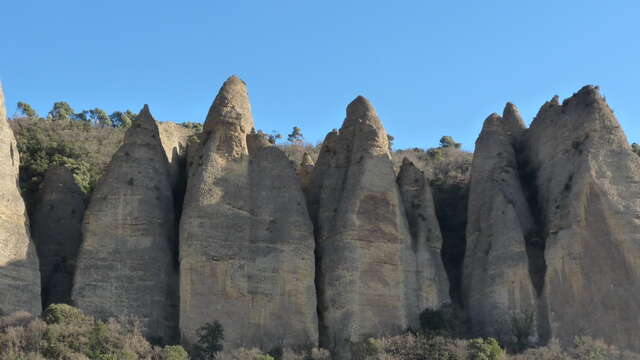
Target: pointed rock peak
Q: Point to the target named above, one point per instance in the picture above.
(360, 107)
(144, 119)
(555, 100)
(492, 122)
(407, 162)
(586, 96)
(143, 129)
(512, 119)
(231, 105)
(307, 160)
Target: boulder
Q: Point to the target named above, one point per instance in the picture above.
(19, 267)
(246, 240)
(56, 226)
(126, 265)
(497, 284)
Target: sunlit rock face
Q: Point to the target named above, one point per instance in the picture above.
(371, 272)
(246, 240)
(127, 264)
(19, 267)
(497, 284)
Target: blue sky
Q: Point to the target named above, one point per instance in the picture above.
(431, 68)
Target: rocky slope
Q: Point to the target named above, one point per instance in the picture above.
(19, 268)
(126, 262)
(246, 241)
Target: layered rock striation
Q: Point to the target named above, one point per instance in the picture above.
(19, 266)
(246, 240)
(126, 263)
(56, 226)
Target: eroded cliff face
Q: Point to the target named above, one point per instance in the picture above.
(343, 249)
(19, 267)
(56, 229)
(497, 284)
(246, 241)
(588, 184)
(432, 284)
(126, 262)
(553, 224)
(367, 277)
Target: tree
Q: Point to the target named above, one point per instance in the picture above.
(448, 142)
(196, 126)
(390, 138)
(635, 148)
(81, 116)
(100, 117)
(61, 111)
(274, 137)
(210, 337)
(295, 136)
(27, 111)
(122, 119)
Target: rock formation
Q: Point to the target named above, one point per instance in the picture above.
(56, 229)
(126, 262)
(174, 139)
(432, 285)
(19, 269)
(246, 241)
(305, 171)
(497, 284)
(588, 186)
(366, 272)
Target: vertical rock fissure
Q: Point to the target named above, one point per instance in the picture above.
(451, 211)
(535, 239)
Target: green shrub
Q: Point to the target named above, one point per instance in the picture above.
(175, 352)
(485, 349)
(63, 314)
(448, 320)
(210, 337)
(66, 333)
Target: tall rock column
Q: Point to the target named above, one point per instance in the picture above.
(19, 268)
(497, 285)
(588, 182)
(246, 240)
(432, 284)
(57, 232)
(126, 264)
(364, 245)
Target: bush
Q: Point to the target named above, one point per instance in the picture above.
(448, 320)
(485, 349)
(63, 314)
(67, 333)
(175, 352)
(210, 337)
(83, 148)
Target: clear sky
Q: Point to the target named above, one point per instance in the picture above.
(431, 68)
